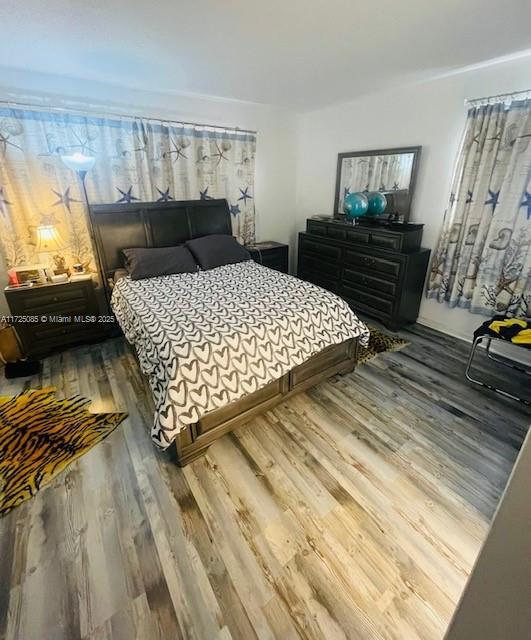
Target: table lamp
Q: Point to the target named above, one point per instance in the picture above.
(49, 241)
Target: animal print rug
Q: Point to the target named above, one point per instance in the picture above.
(40, 436)
(379, 342)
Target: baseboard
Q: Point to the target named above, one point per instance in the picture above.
(443, 329)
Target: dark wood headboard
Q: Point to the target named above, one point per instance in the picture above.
(153, 224)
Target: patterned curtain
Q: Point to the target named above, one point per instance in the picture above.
(483, 258)
(136, 160)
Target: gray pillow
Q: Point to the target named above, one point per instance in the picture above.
(158, 261)
(216, 250)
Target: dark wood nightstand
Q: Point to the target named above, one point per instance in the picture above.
(49, 317)
(274, 255)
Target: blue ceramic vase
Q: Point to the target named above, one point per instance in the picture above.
(377, 203)
(355, 205)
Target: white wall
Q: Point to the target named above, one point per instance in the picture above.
(431, 114)
(275, 158)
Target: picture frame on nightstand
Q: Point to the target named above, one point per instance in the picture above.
(35, 273)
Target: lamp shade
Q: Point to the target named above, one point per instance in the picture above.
(48, 239)
(78, 161)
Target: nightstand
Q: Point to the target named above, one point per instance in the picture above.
(50, 317)
(274, 255)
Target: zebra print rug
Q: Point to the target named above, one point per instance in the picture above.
(40, 436)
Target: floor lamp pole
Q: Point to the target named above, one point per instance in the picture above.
(81, 165)
(82, 174)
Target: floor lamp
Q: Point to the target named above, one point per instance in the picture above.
(81, 165)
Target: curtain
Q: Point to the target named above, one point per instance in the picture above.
(136, 160)
(483, 259)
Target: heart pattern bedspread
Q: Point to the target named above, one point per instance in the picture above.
(207, 339)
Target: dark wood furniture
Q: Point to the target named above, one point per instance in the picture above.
(274, 255)
(152, 224)
(379, 270)
(160, 224)
(50, 317)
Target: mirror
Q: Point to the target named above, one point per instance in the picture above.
(390, 171)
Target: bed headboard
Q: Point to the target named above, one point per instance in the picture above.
(153, 224)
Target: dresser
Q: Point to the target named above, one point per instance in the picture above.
(50, 317)
(271, 254)
(379, 270)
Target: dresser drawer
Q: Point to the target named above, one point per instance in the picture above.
(316, 227)
(42, 338)
(309, 263)
(321, 280)
(337, 234)
(76, 307)
(360, 237)
(386, 241)
(67, 337)
(57, 329)
(53, 296)
(320, 250)
(368, 301)
(276, 253)
(373, 263)
(362, 279)
(64, 332)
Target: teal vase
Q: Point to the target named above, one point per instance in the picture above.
(355, 205)
(377, 203)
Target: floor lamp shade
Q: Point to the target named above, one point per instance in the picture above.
(78, 162)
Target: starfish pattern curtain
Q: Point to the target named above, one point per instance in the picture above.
(483, 259)
(136, 160)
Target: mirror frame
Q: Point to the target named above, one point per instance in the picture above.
(405, 210)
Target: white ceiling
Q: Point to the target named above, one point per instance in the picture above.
(301, 53)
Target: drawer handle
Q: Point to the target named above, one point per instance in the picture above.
(370, 261)
(55, 299)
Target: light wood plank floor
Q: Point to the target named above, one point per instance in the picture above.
(355, 510)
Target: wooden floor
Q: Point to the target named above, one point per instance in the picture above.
(352, 511)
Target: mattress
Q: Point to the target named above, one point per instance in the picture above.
(207, 339)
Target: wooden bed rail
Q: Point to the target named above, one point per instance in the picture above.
(195, 440)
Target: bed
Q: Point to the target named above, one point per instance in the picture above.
(222, 345)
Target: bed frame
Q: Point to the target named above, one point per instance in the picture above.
(163, 224)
